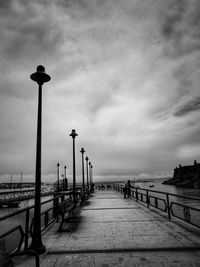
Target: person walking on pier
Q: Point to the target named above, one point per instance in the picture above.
(127, 189)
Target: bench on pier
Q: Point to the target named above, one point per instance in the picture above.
(7, 252)
(88, 192)
(67, 209)
(84, 195)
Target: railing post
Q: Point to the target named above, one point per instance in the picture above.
(147, 198)
(168, 207)
(46, 218)
(26, 229)
(62, 198)
(55, 206)
(136, 192)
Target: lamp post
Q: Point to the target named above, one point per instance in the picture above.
(90, 174)
(58, 182)
(91, 178)
(73, 135)
(63, 181)
(66, 182)
(82, 152)
(40, 77)
(86, 159)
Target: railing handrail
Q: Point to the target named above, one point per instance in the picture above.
(164, 202)
(17, 191)
(31, 207)
(22, 191)
(162, 192)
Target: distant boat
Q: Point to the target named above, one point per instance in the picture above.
(151, 185)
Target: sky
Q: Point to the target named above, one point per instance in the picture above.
(124, 75)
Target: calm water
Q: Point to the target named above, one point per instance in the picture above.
(23, 204)
(20, 218)
(158, 186)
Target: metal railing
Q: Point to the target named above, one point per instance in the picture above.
(20, 195)
(24, 218)
(171, 204)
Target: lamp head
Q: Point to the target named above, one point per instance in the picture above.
(73, 133)
(40, 76)
(82, 150)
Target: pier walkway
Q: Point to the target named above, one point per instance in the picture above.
(113, 231)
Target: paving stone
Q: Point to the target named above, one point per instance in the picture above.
(113, 231)
(133, 259)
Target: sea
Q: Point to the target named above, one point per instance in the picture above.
(157, 185)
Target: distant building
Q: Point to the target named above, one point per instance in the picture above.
(186, 176)
(187, 172)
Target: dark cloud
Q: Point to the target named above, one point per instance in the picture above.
(106, 77)
(188, 107)
(186, 74)
(17, 89)
(29, 29)
(181, 30)
(181, 27)
(72, 3)
(173, 18)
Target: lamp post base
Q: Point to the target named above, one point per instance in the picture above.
(38, 246)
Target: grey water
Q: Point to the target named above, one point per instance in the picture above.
(20, 219)
(158, 186)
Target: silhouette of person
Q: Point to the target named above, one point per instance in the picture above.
(127, 189)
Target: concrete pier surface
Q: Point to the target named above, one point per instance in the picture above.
(113, 231)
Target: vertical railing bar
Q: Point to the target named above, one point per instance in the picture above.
(168, 206)
(147, 196)
(136, 192)
(26, 229)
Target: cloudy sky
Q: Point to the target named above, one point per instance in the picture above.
(125, 75)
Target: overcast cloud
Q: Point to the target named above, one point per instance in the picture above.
(125, 75)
